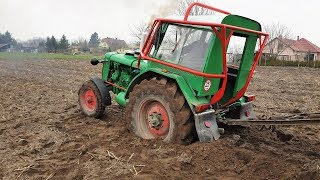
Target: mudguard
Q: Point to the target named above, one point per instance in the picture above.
(105, 94)
(206, 126)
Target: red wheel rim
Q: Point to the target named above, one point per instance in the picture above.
(89, 100)
(155, 118)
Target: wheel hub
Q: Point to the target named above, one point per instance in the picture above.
(155, 117)
(155, 120)
(90, 100)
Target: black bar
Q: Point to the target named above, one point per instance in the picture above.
(272, 122)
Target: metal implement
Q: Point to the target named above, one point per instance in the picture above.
(301, 119)
(206, 126)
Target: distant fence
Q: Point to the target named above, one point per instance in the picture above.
(276, 62)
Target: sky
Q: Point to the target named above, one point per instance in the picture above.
(114, 18)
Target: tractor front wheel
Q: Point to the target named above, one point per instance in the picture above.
(90, 100)
(157, 109)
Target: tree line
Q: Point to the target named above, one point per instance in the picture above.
(50, 44)
(53, 46)
(7, 38)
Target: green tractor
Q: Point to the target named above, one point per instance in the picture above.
(182, 80)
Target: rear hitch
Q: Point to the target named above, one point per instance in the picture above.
(206, 126)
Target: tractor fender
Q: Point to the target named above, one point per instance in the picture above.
(183, 85)
(105, 94)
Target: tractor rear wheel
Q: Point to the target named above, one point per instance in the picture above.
(90, 100)
(157, 109)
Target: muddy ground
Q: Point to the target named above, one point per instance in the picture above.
(44, 135)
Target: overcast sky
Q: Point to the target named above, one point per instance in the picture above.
(113, 18)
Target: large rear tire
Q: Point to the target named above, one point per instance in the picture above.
(90, 100)
(157, 109)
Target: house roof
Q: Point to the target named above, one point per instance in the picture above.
(301, 45)
(74, 47)
(3, 45)
(114, 43)
(288, 42)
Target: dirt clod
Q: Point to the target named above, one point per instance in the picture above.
(236, 137)
(22, 142)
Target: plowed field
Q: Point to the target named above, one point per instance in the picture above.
(44, 135)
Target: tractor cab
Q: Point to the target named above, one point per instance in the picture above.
(215, 54)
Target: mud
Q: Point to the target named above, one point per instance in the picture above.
(44, 135)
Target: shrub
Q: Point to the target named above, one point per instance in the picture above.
(276, 62)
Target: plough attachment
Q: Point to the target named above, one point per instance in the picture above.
(300, 119)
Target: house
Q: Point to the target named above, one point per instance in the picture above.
(31, 46)
(4, 47)
(292, 50)
(113, 44)
(29, 49)
(74, 49)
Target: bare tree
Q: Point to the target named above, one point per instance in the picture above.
(276, 31)
(36, 42)
(78, 41)
(234, 54)
(177, 8)
(184, 4)
(82, 44)
(137, 30)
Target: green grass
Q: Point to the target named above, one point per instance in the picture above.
(22, 56)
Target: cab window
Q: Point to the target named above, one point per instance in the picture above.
(184, 45)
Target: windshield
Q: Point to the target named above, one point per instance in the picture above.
(183, 45)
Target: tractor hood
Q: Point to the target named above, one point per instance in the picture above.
(126, 59)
